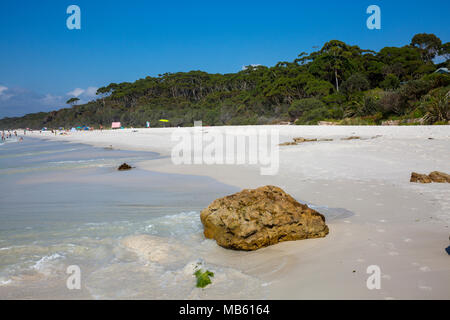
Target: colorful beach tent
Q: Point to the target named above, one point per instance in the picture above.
(73, 130)
(115, 125)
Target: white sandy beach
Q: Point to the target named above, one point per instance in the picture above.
(399, 226)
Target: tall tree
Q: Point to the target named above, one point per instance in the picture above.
(336, 56)
(428, 44)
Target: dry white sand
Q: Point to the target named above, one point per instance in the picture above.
(399, 226)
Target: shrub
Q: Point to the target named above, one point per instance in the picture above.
(437, 80)
(375, 93)
(417, 113)
(355, 83)
(390, 103)
(298, 107)
(309, 111)
(362, 106)
(334, 99)
(390, 82)
(437, 106)
(314, 116)
(413, 90)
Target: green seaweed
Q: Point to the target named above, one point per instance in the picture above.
(203, 278)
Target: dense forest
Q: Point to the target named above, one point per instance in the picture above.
(340, 83)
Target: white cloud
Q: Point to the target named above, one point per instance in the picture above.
(20, 101)
(76, 92)
(91, 92)
(50, 99)
(5, 93)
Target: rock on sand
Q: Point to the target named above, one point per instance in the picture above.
(252, 219)
(435, 176)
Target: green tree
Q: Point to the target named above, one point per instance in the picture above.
(356, 82)
(72, 101)
(335, 57)
(403, 62)
(428, 44)
(318, 88)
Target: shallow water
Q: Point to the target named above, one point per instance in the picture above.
(66, 204)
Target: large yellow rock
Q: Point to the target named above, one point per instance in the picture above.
(252, 219)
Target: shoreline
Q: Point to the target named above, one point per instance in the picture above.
(401, 227)
(45, 227)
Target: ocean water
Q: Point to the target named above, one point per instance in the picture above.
(66, 204)
(134, 234)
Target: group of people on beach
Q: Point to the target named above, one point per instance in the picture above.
(9, 134)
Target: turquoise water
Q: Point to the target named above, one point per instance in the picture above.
(66, 204)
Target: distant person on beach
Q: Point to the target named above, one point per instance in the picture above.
(3, 135)
(15, 133)
(20, 139)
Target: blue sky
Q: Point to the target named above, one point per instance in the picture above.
(42, 63)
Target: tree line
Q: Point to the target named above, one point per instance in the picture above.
(340, 83)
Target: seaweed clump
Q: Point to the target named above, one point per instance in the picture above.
(203, 278)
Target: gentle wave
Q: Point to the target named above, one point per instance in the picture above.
(61, 165)
(45, 265)
(91, 240)
(77, 161)
(28, 154)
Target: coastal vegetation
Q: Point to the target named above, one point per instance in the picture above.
(340, 83)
